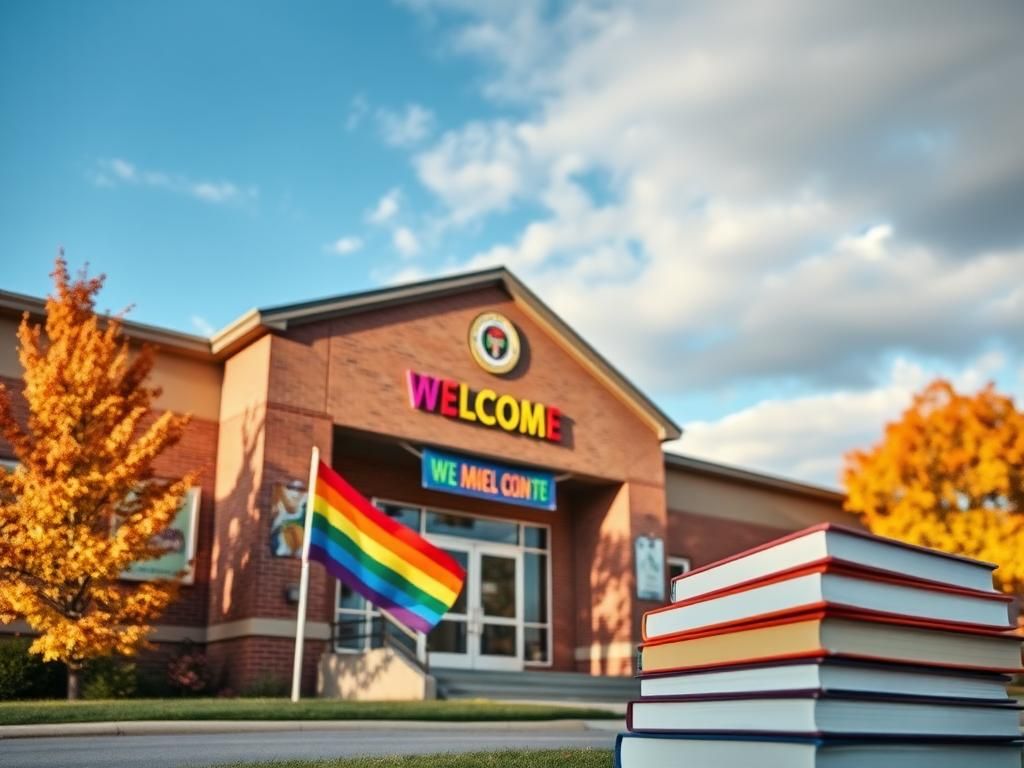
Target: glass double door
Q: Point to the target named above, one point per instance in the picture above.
(484, 628)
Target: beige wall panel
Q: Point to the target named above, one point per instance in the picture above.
(733, 500)
(9, 363)
(189, 386)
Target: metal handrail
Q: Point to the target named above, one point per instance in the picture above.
(384, 633)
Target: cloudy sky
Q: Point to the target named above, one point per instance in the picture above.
(779, 219)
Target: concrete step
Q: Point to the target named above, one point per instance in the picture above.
(533, 685)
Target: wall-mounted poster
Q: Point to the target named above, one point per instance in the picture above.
(288, 510)
(179, 541)
(650, 568)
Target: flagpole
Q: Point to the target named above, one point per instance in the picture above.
(300, 629)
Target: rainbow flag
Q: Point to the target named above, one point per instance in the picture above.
(388, 564)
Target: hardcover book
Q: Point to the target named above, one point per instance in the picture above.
(830, 674)
(686, 751)
(834, 632)
(836, 542)
(813, 713)
(835, 584)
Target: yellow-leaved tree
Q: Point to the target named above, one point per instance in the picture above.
(81, 505)
(950, 475)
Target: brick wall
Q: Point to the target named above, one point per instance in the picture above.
(353, 370)
(264, 440)
(243, 662)
(287, 391)
(705, 539)
(369, 354)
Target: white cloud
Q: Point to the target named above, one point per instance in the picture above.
(202, 325)
(807, 436)
(115, 172)
(386, 207)
(786, 195)
(697, 168)
(870, 245)
(122, 169)
(478, 169)
(405, 242)
(219, 192)
(345, 245)
(357, 109)
(407, 127)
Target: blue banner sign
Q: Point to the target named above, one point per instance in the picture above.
(484, 480)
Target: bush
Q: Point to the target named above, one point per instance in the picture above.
(152, 684)
(189, 671)
(25, 675)
(108, 678)
(266, 686)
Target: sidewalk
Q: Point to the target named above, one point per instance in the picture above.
(164, 727)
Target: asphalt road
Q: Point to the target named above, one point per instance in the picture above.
(176, 750)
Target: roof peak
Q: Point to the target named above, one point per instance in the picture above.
(255, 323)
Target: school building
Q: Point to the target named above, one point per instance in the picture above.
(470, 412)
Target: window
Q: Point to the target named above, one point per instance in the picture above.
(402, 514)
(536, 627)
(481, 528)
(677, 566)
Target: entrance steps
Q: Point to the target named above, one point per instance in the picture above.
(534, 686)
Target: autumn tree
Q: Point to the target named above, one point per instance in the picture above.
(950, 475)
(82, 504)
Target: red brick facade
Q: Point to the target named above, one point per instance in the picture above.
(704, 539)
(340, 383)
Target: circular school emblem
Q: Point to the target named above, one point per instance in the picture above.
(494, 342)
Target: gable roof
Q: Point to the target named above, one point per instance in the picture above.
(758, 479)
(16, 304)
(256, 322)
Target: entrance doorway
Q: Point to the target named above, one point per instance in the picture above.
(502, 618)
(484, 629)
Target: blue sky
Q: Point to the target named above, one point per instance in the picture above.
(780, 220)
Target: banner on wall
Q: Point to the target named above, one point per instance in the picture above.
(179, 543)
(650, 568)
(486, 480)
(288, 511)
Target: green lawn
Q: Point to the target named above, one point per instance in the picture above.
(30, 712)
(554, 758)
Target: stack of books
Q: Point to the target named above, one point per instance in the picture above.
(830, 647)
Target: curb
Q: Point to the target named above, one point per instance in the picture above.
(156, 727)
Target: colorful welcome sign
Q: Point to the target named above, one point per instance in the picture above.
(456, 400)
(484, 480)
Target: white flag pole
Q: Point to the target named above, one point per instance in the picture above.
(300, 629)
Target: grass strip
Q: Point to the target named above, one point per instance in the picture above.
(43, 712)
(552, 758)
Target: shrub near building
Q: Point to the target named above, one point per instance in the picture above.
(26, 676)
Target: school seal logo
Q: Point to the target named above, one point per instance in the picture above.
(494, 342)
